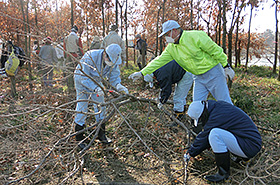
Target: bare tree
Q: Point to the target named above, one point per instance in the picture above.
(276, 37)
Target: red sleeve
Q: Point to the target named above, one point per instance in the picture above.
(80, 44)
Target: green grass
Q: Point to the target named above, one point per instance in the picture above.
(257, 93)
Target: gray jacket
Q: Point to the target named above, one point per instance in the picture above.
(48, 54)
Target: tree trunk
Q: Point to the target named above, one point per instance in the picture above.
(87, 34)
(192, 26)
(218, 25)
(230, 47)
(163, 12)
(156, 54)
(276, 39)
(116, 12)
(237, 52)
(28, 49)
(224, 27)
(197, 27)
(13, 86)
(143, 48)
(103, 18)
(249, 37)
(126, 39)
(72, 13)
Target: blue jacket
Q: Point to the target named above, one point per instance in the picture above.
(93, 65)
(228, 117)
(167, 75)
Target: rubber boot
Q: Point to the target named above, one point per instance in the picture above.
(102, 137)
(80, 137)
(139, 65)
(223, 165)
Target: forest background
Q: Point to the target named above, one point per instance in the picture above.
(37, 145)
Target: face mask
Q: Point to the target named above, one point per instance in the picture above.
(169, 39)
(108, 62)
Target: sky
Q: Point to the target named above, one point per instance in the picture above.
(264, 18)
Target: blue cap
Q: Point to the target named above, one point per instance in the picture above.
(195, 110)
(114, 52)
(169, 25)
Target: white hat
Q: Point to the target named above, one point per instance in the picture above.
(149, 77)
(195, 110)
(114, 53)
(169, 25)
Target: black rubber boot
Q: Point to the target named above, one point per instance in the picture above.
(139, 65)
(80, 137)
(223, 165)
(102, 137)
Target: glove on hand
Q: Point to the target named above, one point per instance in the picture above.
(187, 157)
(99, 92)
(135, 76)
(122, 88)
(160, 105)
(229, 73)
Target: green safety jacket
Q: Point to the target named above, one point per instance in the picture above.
(196, 53)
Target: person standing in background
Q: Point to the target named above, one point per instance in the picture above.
(60, 53)
(95, 44)
(74, 51)
(114, 38)
(141, 46)
(49, 59)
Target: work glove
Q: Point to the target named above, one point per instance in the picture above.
(122, 88)
(98, 91)
(229, 72)
(160, 105)
(135, 76)
(187, 157)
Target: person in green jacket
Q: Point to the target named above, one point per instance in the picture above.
(198, 54)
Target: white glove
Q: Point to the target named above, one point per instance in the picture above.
(98, 91)
(135, 76)
(229, 73)
(187, 157)
(160, 105)
(122, 88)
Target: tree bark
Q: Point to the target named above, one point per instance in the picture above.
(249, 37)
(116, 12)
(126, 39)
(276, 39)
(72, 13)
(28, 49)
(224, 27)
(103, 17)
(237, 49)
(163, 12)
(192, 26)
